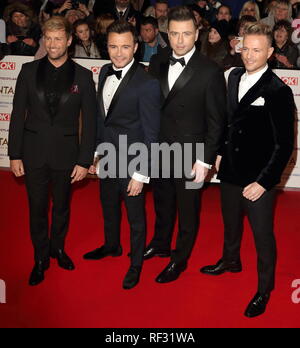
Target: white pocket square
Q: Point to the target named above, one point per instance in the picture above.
(259, 102)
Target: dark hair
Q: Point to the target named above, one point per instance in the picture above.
(286, 25)
(229, 8)
(245, 19)
(182, 14)
(80, 22)
(122, 27)
(161, 2)
(150, 20)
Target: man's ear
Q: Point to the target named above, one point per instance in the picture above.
(270, 52)
(70, 41)
(136, 47)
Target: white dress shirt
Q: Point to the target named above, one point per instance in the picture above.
(248, 81)
(110, 87)
(174, 72)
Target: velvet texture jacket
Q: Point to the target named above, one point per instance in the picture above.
(259, 140)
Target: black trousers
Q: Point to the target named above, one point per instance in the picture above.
(111, 193)
(261, 218)
(170, 196)
(38, 183)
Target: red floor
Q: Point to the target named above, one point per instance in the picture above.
(92, 296)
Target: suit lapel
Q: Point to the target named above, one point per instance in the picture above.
(183, 79)
(101, 84)
(40, 82)
(164, 73)
(121, 88)
(68, 83)
(233, 90)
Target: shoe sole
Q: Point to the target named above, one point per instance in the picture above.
(218, 274)
(109, 255)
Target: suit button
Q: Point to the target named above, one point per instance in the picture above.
(229, 126)
(237, 149)
(226, 142)
(240, 131)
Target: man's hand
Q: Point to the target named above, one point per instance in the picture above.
(199, 172)
(30, 42)
(254, 192)
(135, 188)
(11, 38)
(66, 6)
(79, 173)
(218, 163)
(84, 9)
(17, 168)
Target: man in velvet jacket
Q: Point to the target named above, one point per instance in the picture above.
(193, 112)
(259, 142)
(44, 143)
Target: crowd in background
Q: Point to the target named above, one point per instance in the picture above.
(221, 27)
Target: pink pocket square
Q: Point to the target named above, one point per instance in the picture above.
(75, 89)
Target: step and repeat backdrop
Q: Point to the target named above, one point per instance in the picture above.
(10, 68)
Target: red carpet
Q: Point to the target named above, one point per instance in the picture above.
(92, 296)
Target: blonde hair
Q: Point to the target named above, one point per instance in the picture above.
(257, 13)
(103, 22)
(260, 29)
(57, 23)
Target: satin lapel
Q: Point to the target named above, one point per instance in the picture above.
(164, 73)
(40, 82)
(100, 92)
(121, 88)
(68, 85)
(233, 90)
(183, 79)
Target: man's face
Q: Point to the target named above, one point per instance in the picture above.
(121, 49)
(20, 19)
(182, 36)
(57, 44)
(224, 14)
(281, 12)
(148, 33)
(122, 3)
(161, 10)
(256, 52)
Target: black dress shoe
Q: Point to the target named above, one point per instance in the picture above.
(37, 275)
(257, 306)
(171, 273)
(132, 278)
(222, 267)
(63, 260)
(103, 252)
(152, 252)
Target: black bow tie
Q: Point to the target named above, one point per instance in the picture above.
(173, 61)
(111, 71)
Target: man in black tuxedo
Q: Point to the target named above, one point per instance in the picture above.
(129, 104)
(257, 148)
(44, 143)
(193, 111)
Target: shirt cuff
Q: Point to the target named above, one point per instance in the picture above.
(141, 178)
(205, 165)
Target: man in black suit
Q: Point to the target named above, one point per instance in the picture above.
(257, 148)
(129, 104)
(193, 112)
(44, 143)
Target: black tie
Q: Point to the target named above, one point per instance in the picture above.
(173, 61)
(111, 71)
(121, 14)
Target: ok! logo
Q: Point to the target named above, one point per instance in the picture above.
(296, 293)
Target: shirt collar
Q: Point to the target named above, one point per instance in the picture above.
(253, 78)
(126, 69)
(187, 57)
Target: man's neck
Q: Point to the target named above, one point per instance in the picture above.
(153, 43)
(59, 62)
(257, 71)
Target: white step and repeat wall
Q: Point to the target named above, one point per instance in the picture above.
(11, 66)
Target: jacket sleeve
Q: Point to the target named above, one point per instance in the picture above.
(282, 113)
(18, 117)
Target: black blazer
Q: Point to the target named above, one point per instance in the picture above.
(39, 139)
(134, 112)
(194, 111)
(259, 139)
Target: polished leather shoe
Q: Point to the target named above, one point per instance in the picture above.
(222, 267)
(103, 252)
(152, 252)
(171, 273)
(257, 306)
(63, 260)
(132, 278)
(37, 275)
